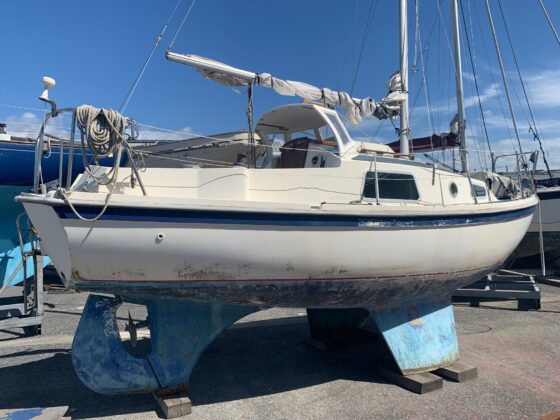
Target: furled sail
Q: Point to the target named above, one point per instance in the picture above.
(356, 109)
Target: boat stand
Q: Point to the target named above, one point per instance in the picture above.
(26, 311)
(502, 285)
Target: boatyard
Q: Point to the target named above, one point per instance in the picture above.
(297, 237)
(261, 367)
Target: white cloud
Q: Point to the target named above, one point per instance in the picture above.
(28, 124)
(488, 93)
(544, 88)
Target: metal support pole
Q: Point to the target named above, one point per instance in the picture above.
(404, 127)
(71, 151)
(459, 86)
(376, 180)
(549, 22)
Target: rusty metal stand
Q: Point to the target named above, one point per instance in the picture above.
(26, 311)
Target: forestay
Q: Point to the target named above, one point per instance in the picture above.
(356, 109)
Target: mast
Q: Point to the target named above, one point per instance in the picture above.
(404, 128)
(459, 86)
(549, 22)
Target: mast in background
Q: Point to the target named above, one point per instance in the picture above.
(459, 86)
(549, 22)
(504, 79)
(404, 127)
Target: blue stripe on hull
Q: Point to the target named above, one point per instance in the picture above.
(115, 213)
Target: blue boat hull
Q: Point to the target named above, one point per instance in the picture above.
(10, 253)
(17, 160)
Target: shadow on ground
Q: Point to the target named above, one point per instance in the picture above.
(244, 362)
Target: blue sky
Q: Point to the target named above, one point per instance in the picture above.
(95, 53)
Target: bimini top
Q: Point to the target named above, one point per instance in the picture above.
(310, 120)
(315, 122)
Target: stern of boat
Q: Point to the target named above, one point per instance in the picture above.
(54, 241)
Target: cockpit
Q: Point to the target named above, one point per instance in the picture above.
(303, 136)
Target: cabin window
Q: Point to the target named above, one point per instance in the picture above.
(338, 127)
(304, 134)
(391, 186)
(479, 191)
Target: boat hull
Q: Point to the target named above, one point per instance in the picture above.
(266, 259)
(549, 199)
(530, 246)
(17, 160)
(11, 264)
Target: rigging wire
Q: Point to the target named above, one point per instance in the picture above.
(549, 21)
(532, 128)
(424, 79)
(26, 108)
(353, 39)
(132, 89)
(493, 76)
(371, 14)
(505, 82)
(481, 120)
(426, 48)
(475, 78)
(181, 25)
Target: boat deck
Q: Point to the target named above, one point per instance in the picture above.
(262, 368)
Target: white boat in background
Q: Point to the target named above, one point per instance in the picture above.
(217, 150)
(546, 221)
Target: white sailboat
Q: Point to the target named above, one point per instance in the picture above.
(316, 207)
(329, 223)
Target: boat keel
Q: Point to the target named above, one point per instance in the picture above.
(180, 332)
(422, 337)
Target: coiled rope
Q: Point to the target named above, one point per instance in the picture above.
(103, 133)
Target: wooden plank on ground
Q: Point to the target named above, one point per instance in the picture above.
(458, 372)
(419, 383)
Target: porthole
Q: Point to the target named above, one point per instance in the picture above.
(453, 190)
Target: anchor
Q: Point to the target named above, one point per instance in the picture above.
(180, 331)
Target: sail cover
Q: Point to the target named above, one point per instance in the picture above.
(356, 109)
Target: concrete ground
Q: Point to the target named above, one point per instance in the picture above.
(262, 368)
